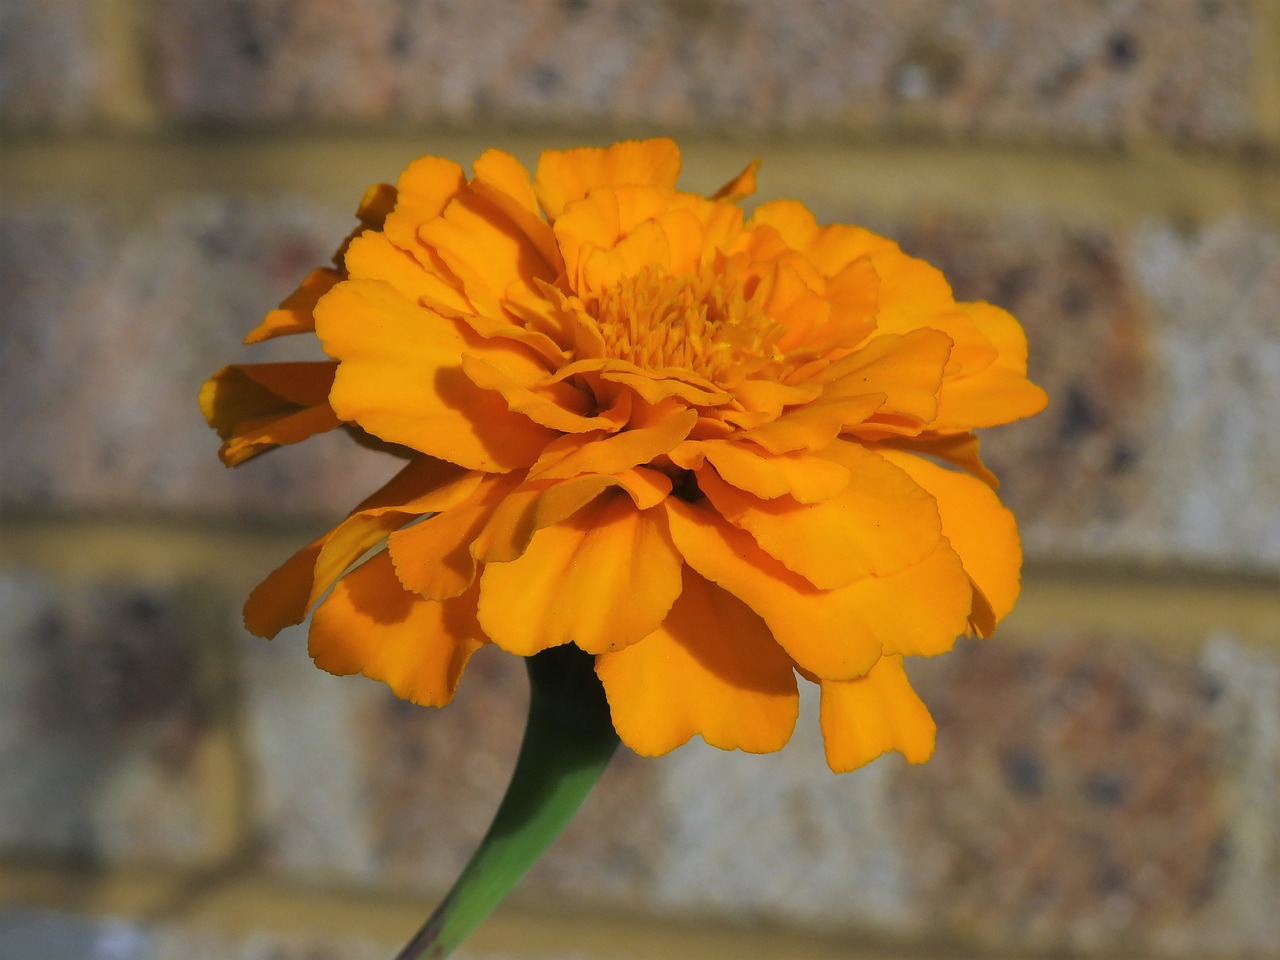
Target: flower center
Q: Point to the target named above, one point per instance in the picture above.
(699, 323)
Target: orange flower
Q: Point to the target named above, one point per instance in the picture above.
(702, 446)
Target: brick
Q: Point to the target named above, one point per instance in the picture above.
(1160, 353)
(51, 71)
(110, 729)
(1079, 71)
(110, 326)
(1089, 794)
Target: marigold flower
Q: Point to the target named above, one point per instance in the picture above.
(717, 452)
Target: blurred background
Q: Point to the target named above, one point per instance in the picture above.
(1107, 780)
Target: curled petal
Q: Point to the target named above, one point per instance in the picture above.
(294, 315)
(872, 715)
(982, 531)
(257, 407)
(433, 558)
(372, 625)
(602, 579)
(590, 453)
(802, 476)
(880, 523)
(824, 631)
(285, 596)
(540, 503)
(400, 378)
(711, 669)
(566, 175)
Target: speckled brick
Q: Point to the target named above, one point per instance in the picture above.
(109, 726)
(1084, 70)
(1161, 355)
(50, 68)
(1092, 794)
(109, 328)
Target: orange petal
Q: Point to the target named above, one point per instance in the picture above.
(294, 315)
(712, 669)
(285, 596)
(987, 399)
(958, 449)
(422, 192)
(602, 579)
(487, 252)
(634, 446)
(823, 630)
(372, 256)
(433, 558)
(864, 718)
(981, 530)
(815, 425)
(741, 186)
(906, 370)
(401, 379)
(502, 180)
(882, 521)
(256, 407)
(564, 176)
(540, 503)
(372, 625)
(556, 406)
(803, 476)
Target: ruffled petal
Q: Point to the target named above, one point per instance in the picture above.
(423, 486)
(864, 718)
(540, 503)
(372, 625)
(489, 254)
(424, 189)
(502, 180)
(880, 523)
(982, 531)
(257, 407)
(567, 175)
(712, 669)
(602, 579)
(802, 476)
(400, 378)
(824, 631)
(433, 558)
(592, 453)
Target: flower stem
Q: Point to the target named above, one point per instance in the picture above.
(568, 741)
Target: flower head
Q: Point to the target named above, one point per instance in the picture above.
(720, 453)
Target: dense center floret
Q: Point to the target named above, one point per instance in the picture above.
(699, 323)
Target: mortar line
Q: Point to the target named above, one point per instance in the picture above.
(128, 103)
(247, 901)
(1181, 605)
(1266, 69)
(1069, 185)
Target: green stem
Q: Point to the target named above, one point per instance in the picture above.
(568, 741)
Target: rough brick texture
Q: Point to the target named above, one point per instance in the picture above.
(108, 725)
(1086, 791)
(1083, 70)
(1090, 794)
(51, 69)
(109, 329)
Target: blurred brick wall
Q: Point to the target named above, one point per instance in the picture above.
(1108, 771)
